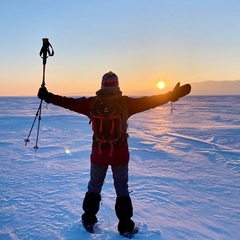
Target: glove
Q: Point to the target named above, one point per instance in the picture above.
(179, 91)
(43, 94)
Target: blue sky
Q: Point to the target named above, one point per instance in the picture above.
(143, 41)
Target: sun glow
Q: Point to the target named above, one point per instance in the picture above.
(161, 85)
(67, 151)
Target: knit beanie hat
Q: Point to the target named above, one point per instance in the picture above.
(110, 80)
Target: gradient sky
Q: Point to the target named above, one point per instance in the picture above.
(142, 41)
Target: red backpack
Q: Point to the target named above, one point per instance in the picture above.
(108, 123)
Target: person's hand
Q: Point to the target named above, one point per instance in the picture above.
(43, 94)
(179, 91)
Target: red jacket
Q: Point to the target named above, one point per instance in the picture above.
(134, 105)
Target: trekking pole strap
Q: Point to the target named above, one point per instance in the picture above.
(46, 50)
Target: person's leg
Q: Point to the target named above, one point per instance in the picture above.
(97, 177)
(124, 212)
(90, 206)
(120, 176)
(123, 206)
(92, 198)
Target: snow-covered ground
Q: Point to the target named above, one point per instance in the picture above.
(184, 172)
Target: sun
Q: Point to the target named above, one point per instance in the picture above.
(161, 85)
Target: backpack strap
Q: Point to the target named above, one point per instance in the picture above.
(101, 122)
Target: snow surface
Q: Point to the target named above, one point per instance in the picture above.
(184, 172)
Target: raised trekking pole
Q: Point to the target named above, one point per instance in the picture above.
(45, 52)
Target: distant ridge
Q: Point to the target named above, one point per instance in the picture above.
(206, 88)
(216, 88)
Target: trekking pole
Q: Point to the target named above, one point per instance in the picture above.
(45, 52)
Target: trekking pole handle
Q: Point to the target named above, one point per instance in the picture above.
(46, 50)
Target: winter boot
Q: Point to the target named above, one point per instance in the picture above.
(124, 212)
(90, 206)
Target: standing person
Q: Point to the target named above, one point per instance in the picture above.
(109, 111)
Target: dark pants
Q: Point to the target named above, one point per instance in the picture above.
(123, 206)
(120, 177)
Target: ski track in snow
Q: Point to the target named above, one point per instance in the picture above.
(184, 172)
